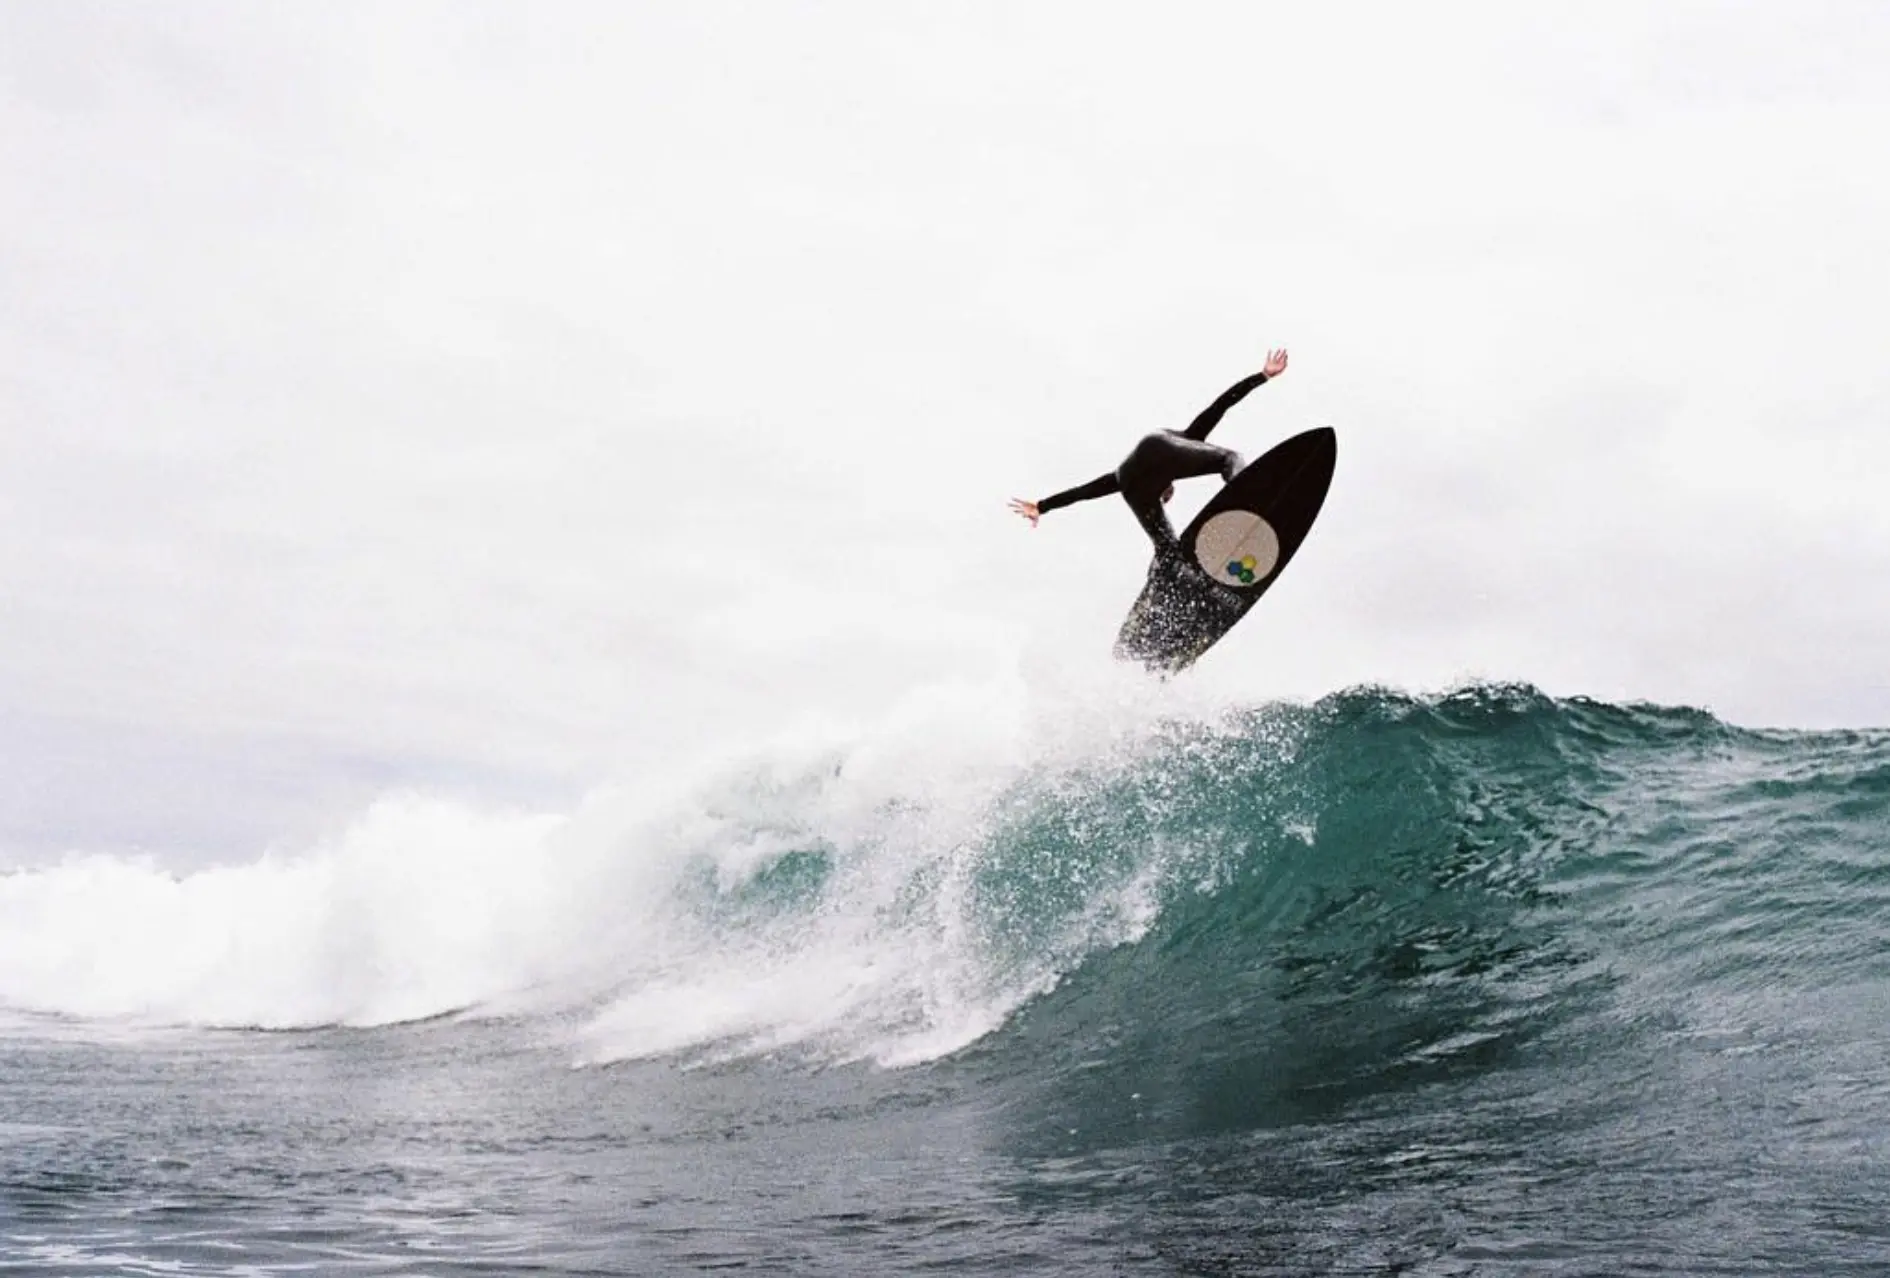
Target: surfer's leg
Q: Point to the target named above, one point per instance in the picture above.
(1154, 520)
(1187, 458)
(1160, 459)
(1157, 462)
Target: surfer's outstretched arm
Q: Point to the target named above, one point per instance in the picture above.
(1211, 415)
(1101, 486)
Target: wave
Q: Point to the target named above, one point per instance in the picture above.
(1248, 911)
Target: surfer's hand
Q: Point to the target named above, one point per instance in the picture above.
(1276, 362)
(1028, 509)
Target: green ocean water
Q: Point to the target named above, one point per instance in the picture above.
(1481, 983)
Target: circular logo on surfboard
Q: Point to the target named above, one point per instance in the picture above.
(1237, 548)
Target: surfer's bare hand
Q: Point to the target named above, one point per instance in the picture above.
(1028, 509)
(1276, 362)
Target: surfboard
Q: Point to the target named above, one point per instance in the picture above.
(1231, 553)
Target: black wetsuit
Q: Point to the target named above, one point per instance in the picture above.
(1160, 459)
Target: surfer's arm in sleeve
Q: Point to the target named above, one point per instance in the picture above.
(1211, 415)
(1101, 486)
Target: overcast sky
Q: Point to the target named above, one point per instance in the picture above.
(497, 397)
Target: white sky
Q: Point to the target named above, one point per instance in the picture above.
(497, 397)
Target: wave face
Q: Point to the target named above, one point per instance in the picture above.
(1376, 894)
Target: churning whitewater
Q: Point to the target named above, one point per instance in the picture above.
(1482, 982)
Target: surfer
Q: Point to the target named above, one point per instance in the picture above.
(1146, 478)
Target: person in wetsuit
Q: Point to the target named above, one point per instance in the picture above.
(1146, 478)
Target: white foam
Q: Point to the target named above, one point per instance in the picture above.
(642, 906)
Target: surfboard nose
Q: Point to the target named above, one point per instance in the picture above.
(1320, 445)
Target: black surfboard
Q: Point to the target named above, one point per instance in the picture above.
(1232, 551)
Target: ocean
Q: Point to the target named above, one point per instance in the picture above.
(1484, 982)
